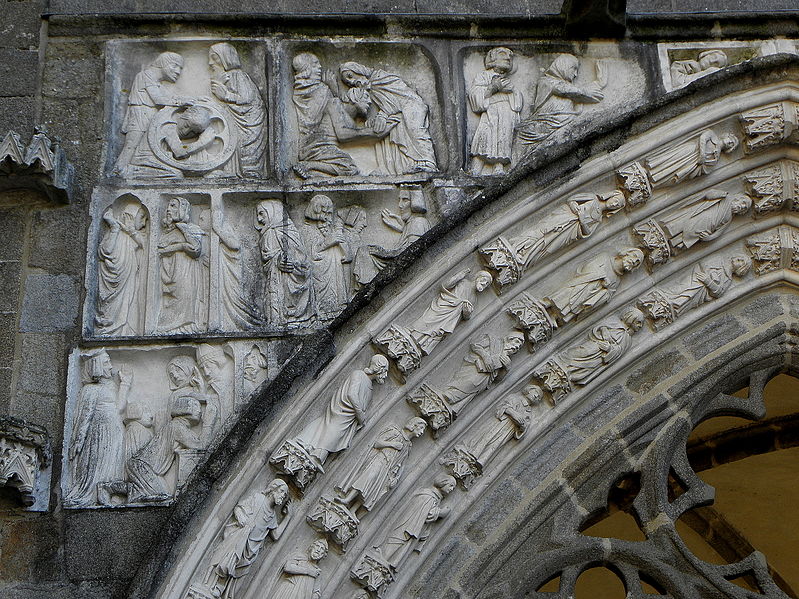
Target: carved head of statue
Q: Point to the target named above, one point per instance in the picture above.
(354, 74)
(269, 213)
(278, 491)
(254, 362)
(565, 67)
(614, 202)
(740, 265)
(170, 65)
(178, 210)
(378, 368)
(629, 259)
(712, 58)
(182, 372)
(193, 121)
(741, 204)
(411, 201)
(96, 366)
(223, 57)
(729, 142)
(445, 484)
(320, 209)
(415, 426)
(533, 394)
(318, 550)
(499, 60)
(211, 361)
(482, 280)
(633, 318)
(307, 67)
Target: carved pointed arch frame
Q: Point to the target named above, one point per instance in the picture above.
(518, 525)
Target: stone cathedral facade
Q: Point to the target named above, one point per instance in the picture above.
(338, 302)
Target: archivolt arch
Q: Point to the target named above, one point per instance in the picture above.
(592, 337)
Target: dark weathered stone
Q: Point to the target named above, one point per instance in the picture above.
(713, 336)
(50, 303)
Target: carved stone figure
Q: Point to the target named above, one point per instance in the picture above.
(218, 396)
(346, 412)
(254, 518)
(255, 367)
(574, 220)
(581, 364)
(468, 459)
(97, 445)
(488, 359)
(558, 98)
(690, 159)
(181, 248)
(379, 469)
(411, 223)
(709, 280)
(138, 423)
(235, 310)
(231, 85)
(702, 221)
(594, 283)
(148, 466)
(455, 302)
(409, 529)
(684, 72)
(147, 95)
(499, 105)
(300, 579)
(396, 112)
(286, 266)
(328, 250)
(323, 122)
(119, 268)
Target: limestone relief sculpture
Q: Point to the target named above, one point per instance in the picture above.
(236, 312)
(680, 229)
(496, 100)
(219, 401)
(410, 527)
(572, 221)
(178, 439)
(96, 445)
(303, 456)
(121, 256)
(770, 125)
(300, 574)
(684, 72)
(374, 475)
(288, 283)
(558, 99)
(456, 301)
(594, 283)
(25, 452)
(262, 514)
(182, 247)
(256, 368)
(222, 133)
(330, 254)
(775, 249)
(488, 360)
(675, 164)
(411, 223)
(581, 364)
(709, 280)
(242, 98)
(396, 114)
(468, 458)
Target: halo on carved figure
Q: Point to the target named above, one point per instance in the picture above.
(209, 121)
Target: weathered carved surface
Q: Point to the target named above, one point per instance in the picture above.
(24, 452)
(42, 166)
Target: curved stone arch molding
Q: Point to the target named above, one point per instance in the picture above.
(355, 352)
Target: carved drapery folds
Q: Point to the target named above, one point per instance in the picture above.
(41, 166)
(24, 451)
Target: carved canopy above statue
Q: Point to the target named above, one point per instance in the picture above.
(625, 296)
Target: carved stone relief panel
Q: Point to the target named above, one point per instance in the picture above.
(770, 125)
(682, 63)
(186, 109)
(775, 249)
(25, 460)
(774, 185)
(517, 97)
(139, 419)
(361, 110)
(194, 260)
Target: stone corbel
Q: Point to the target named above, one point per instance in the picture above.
(24, 452)
(42, 166)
